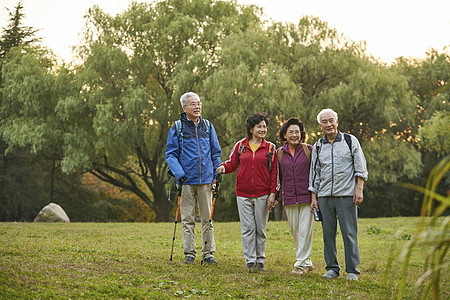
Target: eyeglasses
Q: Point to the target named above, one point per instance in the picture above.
(195, 104)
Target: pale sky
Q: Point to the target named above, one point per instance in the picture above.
(391, 28)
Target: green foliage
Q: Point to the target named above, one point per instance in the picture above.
(16, 34)
(434, 134)
(135, 66)
(429, 232)
(110, 113)
(374, 230)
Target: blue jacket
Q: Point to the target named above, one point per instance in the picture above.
(201, 152)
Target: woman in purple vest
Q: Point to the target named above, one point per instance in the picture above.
(294, 162)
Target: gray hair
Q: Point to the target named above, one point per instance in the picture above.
(184, 98)
(327, 110)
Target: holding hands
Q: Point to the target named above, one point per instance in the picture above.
(220, 170)
(271, 201)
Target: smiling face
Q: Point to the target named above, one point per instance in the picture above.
(193, 108)
(259, 131)
(293, 135)
(329, 124)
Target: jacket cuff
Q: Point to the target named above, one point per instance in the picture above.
(363, 176)
(313, 190)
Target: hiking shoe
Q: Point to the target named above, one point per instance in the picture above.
(297, 271)
(189, 260)
(352, 276)
(300, 271)
(331, 274)
(251, 267)
(261, 267)
(209, 261)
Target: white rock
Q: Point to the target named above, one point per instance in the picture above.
(52, 213)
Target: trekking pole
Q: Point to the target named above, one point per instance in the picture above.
(176, 218)
(216, 195)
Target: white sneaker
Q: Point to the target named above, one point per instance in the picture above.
(352, 276)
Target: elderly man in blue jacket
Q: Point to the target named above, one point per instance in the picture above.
(336, 180)
(193, 153)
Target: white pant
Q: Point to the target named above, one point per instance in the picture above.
(301, 221)
(253, 215)
(200, 193)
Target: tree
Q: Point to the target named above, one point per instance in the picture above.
(429, 79)
(135, 67)
(297, 70)
(16, 34)
(14, 168)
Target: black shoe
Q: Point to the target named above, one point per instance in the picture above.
(189, 260)
(251, 267)
(209, 261)
(261, 267)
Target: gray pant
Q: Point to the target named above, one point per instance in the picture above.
(200, 193)
(253, 215)
(341, 208)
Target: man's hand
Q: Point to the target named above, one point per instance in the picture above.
(358, 195)
(313, 203)
(182, 179)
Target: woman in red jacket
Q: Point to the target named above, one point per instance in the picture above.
(294, 163)
(256, 186)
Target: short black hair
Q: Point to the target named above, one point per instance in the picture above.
(289, 122)
(254, 119)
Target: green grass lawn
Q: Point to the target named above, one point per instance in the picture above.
(131, 261)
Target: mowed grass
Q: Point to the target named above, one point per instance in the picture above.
(131, 261)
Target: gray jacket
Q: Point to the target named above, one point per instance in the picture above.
(334, 170)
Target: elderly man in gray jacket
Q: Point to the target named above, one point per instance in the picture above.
(336, 180)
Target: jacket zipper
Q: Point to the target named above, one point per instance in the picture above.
(293, 175)
(199, 154)
(332, 168)
(253, 170)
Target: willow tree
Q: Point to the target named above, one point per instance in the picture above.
(297, 70)
(134, 67)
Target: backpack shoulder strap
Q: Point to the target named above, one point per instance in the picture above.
(179, 128)
(348, 140)
(280, 155)
(270, 155)
(207, 125)
(241, 149)
(307, 152)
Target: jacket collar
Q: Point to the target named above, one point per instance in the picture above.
(264, 143)
(285, 148)
(338, 137)
(184, 118)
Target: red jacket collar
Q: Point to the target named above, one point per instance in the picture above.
(246, 144)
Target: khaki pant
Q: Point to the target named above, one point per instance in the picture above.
(253, 215)
(301, 222)
(190, 194)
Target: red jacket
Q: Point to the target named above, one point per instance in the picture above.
(253, 178)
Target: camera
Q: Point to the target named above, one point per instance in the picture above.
(317, 214)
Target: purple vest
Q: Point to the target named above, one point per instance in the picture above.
(294, 175)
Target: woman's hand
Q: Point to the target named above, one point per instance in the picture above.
(220, 170)
(271, 201)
